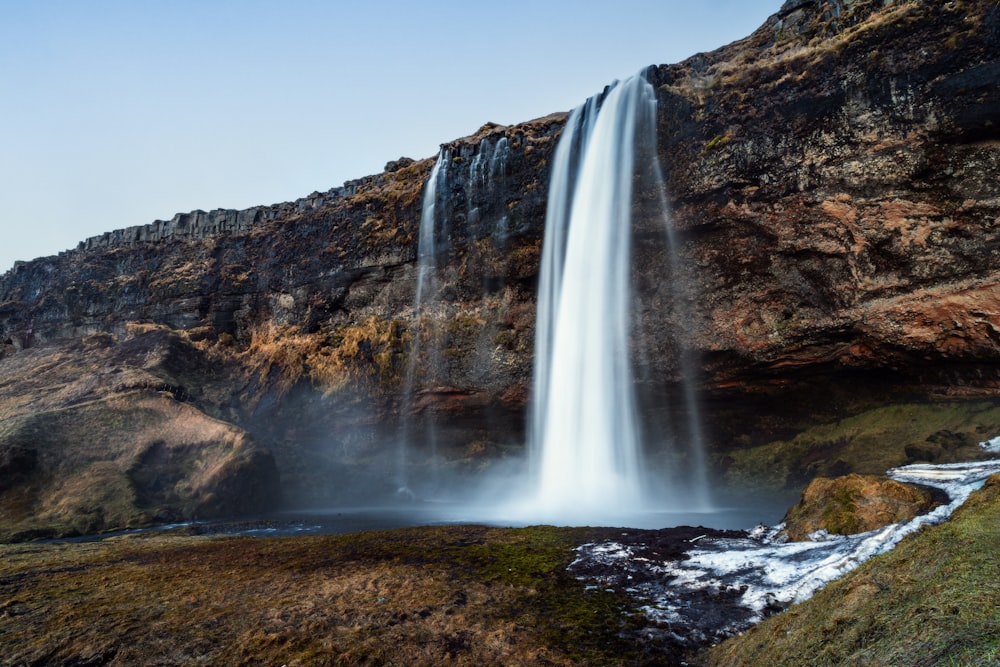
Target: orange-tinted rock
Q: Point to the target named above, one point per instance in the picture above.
(855, 504)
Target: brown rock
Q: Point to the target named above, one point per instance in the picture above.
(115, 442)
(855, 504)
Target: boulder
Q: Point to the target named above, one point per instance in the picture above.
(856, 504)
(98, 435)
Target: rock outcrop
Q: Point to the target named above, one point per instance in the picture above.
(856, 504)
(98, 435)
(835, 193)
(839, 191)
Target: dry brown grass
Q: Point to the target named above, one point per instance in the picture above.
(367, 352)
(790, 56)
(428, 596)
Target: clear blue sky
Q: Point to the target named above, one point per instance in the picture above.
(118, 112)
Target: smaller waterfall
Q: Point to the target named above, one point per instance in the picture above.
(428, 248)
(458, 200)
(425, 327)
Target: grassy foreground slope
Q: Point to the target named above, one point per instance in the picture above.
(933, 600)
(466, 595)
(461, 595)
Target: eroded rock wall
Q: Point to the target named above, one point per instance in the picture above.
(835, 193)
(835, 176)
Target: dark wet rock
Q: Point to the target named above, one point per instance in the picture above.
(698, 617)
(16, 463)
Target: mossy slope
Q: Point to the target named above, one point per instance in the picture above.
(422, 596)
(869, 442)
(933, 600)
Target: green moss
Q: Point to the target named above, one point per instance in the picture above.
(506, 338)
(870, 443)
(933, 600)
(716, 142)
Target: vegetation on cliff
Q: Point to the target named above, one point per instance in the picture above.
(869, 442)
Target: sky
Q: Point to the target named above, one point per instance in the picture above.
(116, 113)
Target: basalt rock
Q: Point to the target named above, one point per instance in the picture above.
(838, 192)
(835, 193)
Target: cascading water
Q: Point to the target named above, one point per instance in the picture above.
(586, 438)
(459, 183)
(427, 243)
(585, 435)
(428, 251)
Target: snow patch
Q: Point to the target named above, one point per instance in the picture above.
(758, 574)
(992, 446)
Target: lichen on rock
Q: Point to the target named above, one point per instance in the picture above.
(856, 504)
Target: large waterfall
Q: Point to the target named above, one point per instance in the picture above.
(585, 434)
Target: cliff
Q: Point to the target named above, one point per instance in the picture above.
(839, 188)
(833, 180)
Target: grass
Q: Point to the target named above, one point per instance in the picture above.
(870, 442)
(933, 600)
(465, 595)
(424, 596)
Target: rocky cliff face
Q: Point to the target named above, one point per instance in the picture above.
(834, 183)
(839, 187)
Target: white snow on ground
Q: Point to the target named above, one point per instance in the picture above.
(768, 574)
(991, 445)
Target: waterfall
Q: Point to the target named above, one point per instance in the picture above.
(428, 252)
(584, 431)
(455, 205)
(427, 240)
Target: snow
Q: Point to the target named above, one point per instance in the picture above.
(991, 445)
(761, 573)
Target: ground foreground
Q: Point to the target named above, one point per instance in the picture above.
(933, 600)
(422, 596)
(470, 595)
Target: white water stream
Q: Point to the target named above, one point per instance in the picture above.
(771, 574)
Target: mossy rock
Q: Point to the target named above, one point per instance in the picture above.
(867, 443)
(856, 504)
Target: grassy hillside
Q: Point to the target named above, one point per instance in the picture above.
(462, 595)
(933, 600)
